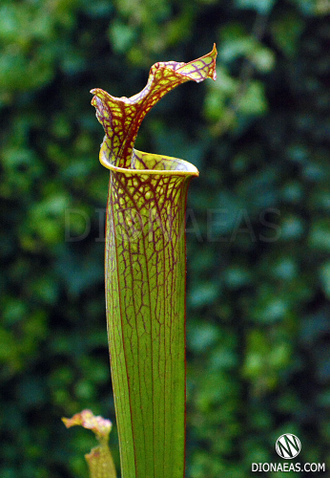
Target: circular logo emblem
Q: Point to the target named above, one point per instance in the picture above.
(288, 446)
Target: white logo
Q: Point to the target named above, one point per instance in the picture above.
(288, 446)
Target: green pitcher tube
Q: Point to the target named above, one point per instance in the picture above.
(145, 284)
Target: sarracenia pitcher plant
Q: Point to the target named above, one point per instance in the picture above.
(145, 277)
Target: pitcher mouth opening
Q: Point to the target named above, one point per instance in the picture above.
(149, 163)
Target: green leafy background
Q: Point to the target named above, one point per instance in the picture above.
(258, 223)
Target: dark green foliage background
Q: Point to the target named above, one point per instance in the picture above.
(258, 223)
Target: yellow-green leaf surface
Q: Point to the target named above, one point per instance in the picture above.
(99, 459)
(145, 277)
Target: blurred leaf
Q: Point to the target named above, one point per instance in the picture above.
(253, 102)
(261, 6)
(292, 227)
(200, 338)
(319, 236)
(122, 36)
(287, 31)
(325, 278)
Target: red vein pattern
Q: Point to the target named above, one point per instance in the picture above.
(122, 117)
(145, 277)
